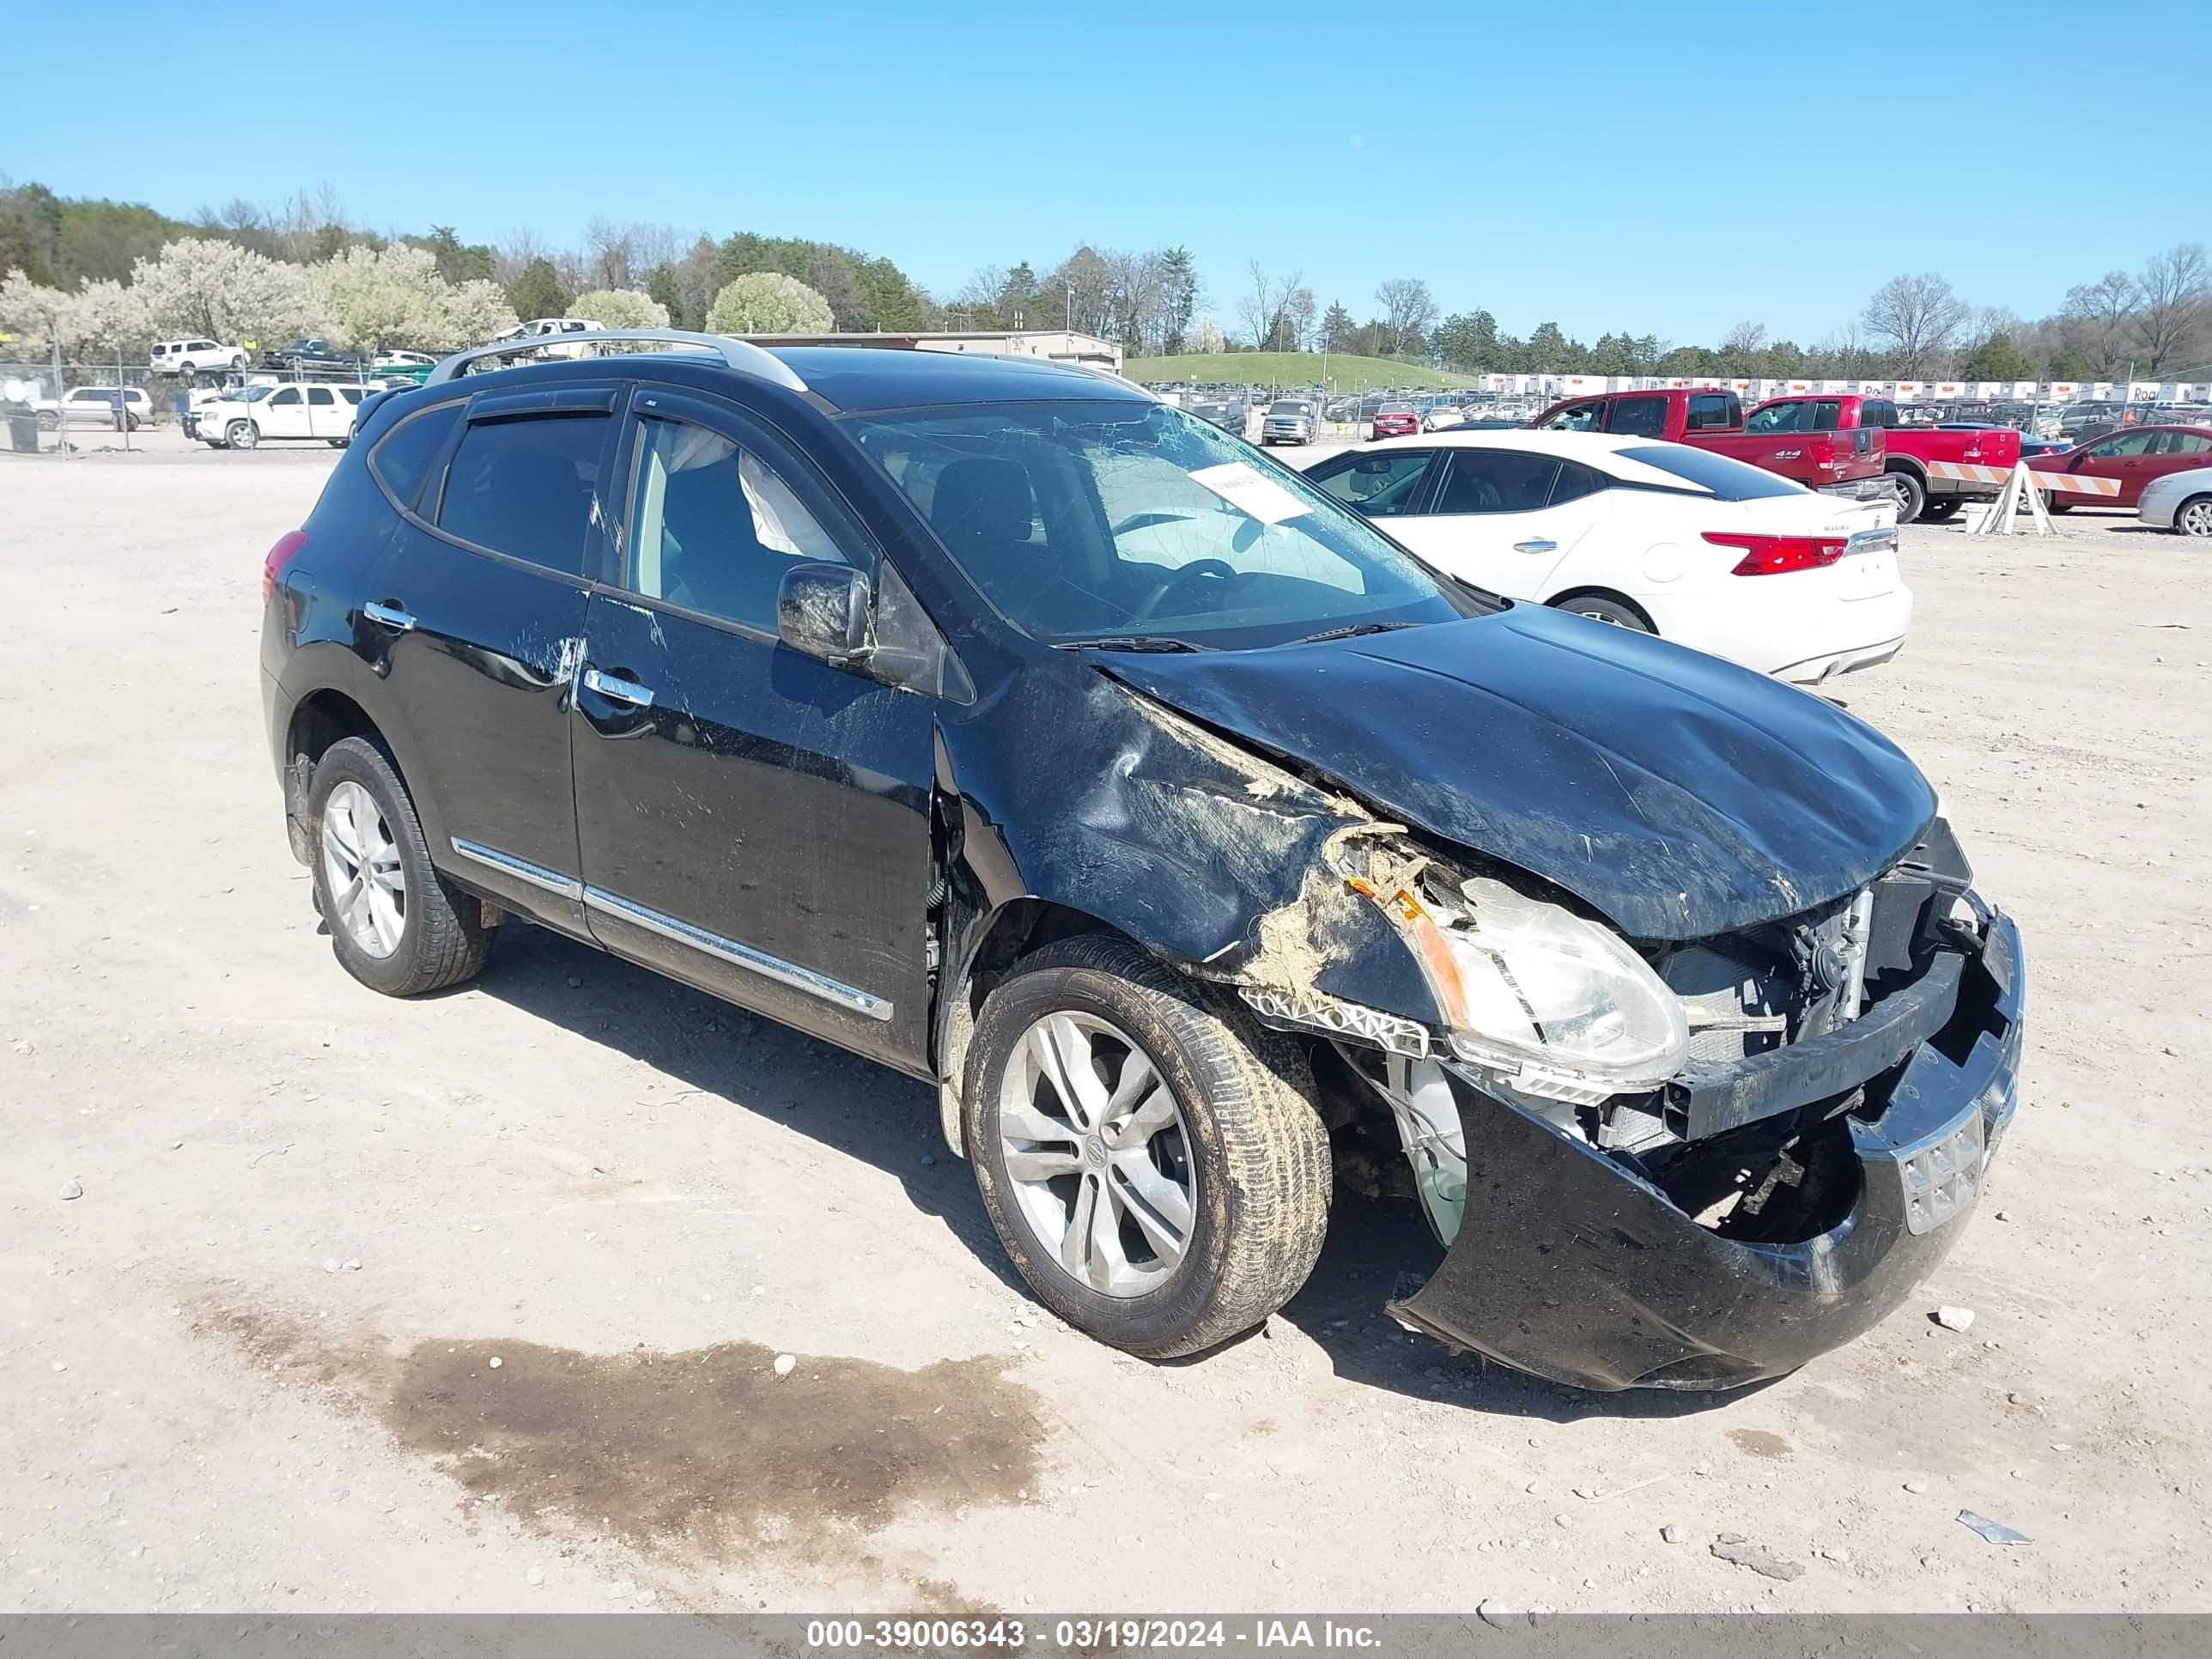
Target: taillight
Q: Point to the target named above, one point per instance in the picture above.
(1771, 556)
(280, 555)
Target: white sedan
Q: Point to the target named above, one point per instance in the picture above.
(1657, 537)
(2179, 501)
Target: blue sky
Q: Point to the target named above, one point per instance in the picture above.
(1666, 167)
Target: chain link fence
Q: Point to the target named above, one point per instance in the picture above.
(55, 407)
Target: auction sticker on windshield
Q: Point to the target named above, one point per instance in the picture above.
(1262, 498)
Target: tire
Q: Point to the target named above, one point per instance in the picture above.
(1938, 509)
(1245, 1155)
(2193, 517)
(49, 422)
(2056, 506)
(240, 435)
(337, 443)
(425, 935)
(1911, 495)
(1612, 612)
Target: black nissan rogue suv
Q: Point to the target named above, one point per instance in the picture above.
(1003, 725)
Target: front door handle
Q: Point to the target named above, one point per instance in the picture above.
(618, 691)
(390, 615)
(1539, 545)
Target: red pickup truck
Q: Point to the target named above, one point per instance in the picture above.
(1905, 451)
(1835, 463)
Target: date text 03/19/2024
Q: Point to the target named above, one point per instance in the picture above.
(1090, 1635)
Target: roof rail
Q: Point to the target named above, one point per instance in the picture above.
(743, 356)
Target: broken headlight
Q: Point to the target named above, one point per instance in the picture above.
(1556, 1005)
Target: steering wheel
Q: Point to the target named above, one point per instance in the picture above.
(1212, 569)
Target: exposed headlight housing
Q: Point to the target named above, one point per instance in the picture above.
(1550, 1004)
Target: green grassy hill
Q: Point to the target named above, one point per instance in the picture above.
(1345, 374)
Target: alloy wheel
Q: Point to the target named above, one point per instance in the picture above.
(361, 867)
(2195, 519)
(1097, 1152)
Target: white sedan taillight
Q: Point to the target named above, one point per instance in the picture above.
(1774, 555)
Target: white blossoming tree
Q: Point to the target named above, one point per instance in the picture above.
(765, 302)
(620, 308)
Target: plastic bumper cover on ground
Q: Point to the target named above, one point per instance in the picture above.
(1571, 1266)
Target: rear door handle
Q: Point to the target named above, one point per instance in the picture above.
(390, 615)
(618, 691)
(1538, 545)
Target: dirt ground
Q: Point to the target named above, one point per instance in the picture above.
(475, 1303)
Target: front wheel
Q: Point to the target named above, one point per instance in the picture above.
(2195, 518)
(1911, 495)
(395, 924)
(48, 420)
(242, 434)
(1149, 1155)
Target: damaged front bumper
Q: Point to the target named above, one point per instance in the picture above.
(1572, 1263)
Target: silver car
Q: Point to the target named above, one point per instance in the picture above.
(2179, 501)
(1289, 421)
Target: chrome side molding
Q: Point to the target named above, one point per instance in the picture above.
(835, 991)
(521, 869)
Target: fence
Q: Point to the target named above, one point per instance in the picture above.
(47, 407)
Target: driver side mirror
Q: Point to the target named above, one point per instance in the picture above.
(828, 611)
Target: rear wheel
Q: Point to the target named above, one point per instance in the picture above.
(1612, 612)
(1149, 1155)
(1911, 495)
(395, 925)
(2195, 518)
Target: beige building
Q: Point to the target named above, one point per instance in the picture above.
(1056, 345)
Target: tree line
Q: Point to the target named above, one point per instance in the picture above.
(2151, 324)
(74, 260)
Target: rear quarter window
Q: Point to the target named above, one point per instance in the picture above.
(404, 456)
(1729, 481)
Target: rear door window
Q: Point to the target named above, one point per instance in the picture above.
(1777, 417)
(1497, 481)
(524, 487)
(1638, 418)
(1575, 481)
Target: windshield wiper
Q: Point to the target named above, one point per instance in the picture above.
(1352, 631)
(1131, 642)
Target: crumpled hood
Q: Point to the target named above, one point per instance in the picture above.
(1678, 794)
